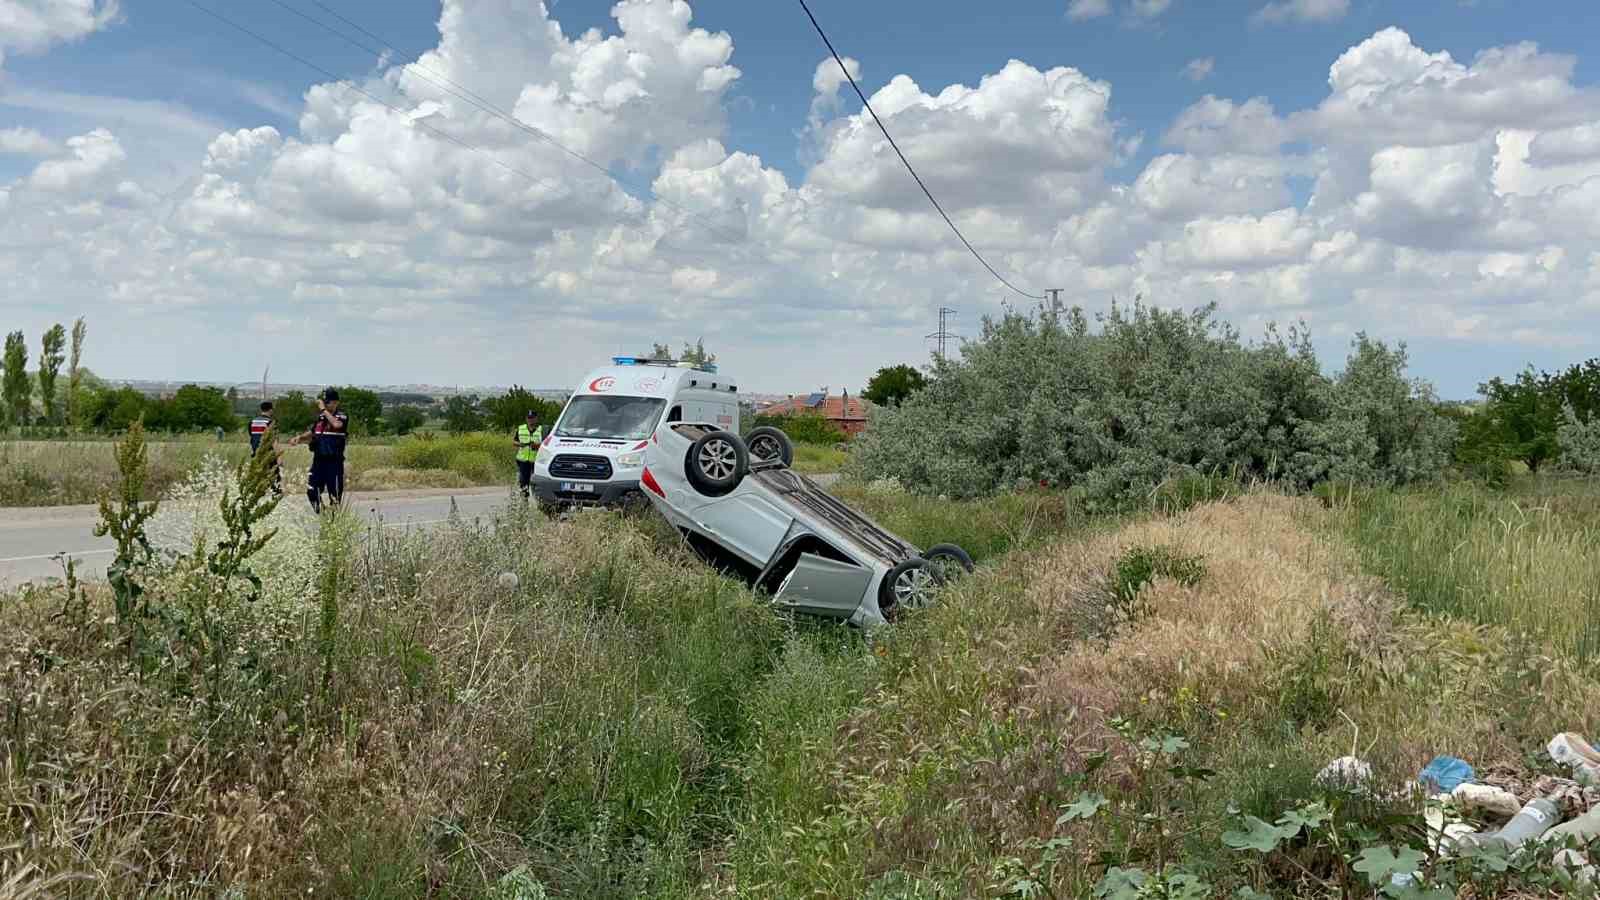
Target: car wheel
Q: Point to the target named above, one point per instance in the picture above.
(767, 443)
(717, 463)
(948, 562)
(909, 585)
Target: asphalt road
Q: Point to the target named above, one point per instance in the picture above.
(30, 536)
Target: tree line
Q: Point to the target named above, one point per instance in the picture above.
(57, 401)
(1119, 405)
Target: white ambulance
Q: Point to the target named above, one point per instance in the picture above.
(595, 452)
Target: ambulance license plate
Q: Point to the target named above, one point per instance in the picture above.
(577, 488)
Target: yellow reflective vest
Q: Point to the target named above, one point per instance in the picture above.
(527, 454)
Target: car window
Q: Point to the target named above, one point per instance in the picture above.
(624, 418)
(676, 414)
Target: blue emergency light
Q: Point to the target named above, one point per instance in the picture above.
(640, 361)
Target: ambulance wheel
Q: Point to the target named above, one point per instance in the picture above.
(717, 463)
(768, 443)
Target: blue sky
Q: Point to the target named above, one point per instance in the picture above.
(164, 79)
(168, 51)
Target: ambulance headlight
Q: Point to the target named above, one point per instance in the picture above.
(631, 460)
(544, 453)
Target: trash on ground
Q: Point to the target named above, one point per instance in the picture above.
(1445, 773)
(1346, 772)
(1574, 799)
(1576, 864)
(1581, 830)
(1536, 818)
(1443, 834)
(1486, 799)
(1569, 749)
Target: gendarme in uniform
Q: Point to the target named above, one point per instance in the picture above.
(327, 439)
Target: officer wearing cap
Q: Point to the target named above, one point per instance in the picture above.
(529, 436)
(327, 438)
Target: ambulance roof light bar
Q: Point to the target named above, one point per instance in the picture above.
(642, 361)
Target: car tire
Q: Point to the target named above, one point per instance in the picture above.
(948, 561)
(767, 443)
(907, 586)
(717, 463)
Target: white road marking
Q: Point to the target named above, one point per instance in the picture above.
(54, 555)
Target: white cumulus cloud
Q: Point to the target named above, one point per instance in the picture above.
(1420, 196)
(33, 26)
(26, 142)
(1079, 10)
(1303, 11)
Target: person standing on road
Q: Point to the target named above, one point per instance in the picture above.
(259, 427)
(529, 436)
(327, 438)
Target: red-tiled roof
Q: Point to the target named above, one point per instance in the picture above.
(830, 408)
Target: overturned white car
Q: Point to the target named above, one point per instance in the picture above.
(742, 508)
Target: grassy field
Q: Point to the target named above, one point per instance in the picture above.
(1525, 559)
(1126, 707)
(55, 473)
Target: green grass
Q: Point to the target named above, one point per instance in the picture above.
(55, 473)
(813, 459)
(1524, 559)
(606, 727)
(621, 722)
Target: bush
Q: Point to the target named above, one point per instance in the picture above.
(805, 428)
(1152, 396)
(1580, 442)
(481, 458)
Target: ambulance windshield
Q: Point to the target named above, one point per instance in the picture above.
(620, 418)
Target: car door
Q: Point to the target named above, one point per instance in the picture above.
(747, 524)
(824, 587)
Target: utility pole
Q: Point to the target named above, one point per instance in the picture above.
(1055, 300)
(943, 335)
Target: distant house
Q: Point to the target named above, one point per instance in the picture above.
(847, 413)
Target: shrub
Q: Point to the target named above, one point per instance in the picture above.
(190, 514)
(1153, 395)
(1580, 442)
(805, 428)
(480, 458)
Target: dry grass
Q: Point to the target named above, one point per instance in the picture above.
(623, 723)
(57, 473)
(1283, 656)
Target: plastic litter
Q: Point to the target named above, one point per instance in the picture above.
(1571, 750)
(1581, 830)
(1346, 772)
(1445, 773)
(1484, 798)
(508, 581)
(1443, 835)
(1576, 864)
(1532, 821)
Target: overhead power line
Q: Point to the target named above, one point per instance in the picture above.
(947, 220)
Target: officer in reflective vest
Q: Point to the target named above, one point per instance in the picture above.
(327, 438)
(529, 436)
